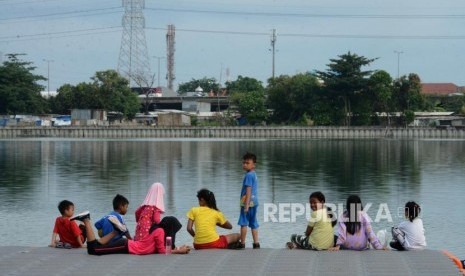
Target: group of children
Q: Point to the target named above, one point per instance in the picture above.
(354, 230)
(152, 231)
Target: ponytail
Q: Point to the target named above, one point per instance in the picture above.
(209, 198)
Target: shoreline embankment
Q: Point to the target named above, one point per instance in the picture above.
(262, 132)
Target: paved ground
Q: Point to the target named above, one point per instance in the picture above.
(50, 261)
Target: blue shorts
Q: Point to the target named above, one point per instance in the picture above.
(249, 219)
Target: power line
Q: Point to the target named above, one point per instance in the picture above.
(62, 14)
(62, 33)
(322, 35)
(248, 33)
(283, 14)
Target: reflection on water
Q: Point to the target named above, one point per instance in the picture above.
(36, 174)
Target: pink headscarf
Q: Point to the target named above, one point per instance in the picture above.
(155, 196)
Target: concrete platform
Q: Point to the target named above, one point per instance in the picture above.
(51, 261)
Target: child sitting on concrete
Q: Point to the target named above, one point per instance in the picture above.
(120, 208)
(66, 233)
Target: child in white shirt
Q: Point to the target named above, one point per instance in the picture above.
(409, 234)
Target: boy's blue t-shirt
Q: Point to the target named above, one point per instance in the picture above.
(250, 180)
(107, 226)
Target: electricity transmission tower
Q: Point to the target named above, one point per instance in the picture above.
(170, 56)
(133, 56)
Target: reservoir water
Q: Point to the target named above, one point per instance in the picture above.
(35, 174)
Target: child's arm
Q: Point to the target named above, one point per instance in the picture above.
(53, 243)
(191, 231)
(128, 235)
(372, 238)
(248, 194)
(156, 216)
(78, 238)
(308, 231)
(226, 225)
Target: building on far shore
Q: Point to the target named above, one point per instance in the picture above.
(442, 89)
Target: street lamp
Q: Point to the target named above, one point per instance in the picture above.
(398, 62)
(158, 72)
(48, 74)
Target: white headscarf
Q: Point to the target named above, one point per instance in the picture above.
(155, 196)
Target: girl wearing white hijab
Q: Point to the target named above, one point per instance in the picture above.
(150, 210)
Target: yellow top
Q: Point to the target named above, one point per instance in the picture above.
(322, 236)
(205, 221)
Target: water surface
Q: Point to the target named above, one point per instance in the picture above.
(36, 174)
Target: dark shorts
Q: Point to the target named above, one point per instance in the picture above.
(118, 247)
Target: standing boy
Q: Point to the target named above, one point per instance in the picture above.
(249, 200)
(66, 233)
(120, 208)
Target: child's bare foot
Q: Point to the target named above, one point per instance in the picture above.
(291, 245)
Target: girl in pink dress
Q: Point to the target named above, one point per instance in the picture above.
(150, 210)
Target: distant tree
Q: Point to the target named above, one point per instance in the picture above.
(445, 103)
(380, 89)
(244, 84)
(19, 90)
(345, 79)
(145, 85)
(207, 84)
(407, 97)
(292, 97)
(251, 105)
(108, 90)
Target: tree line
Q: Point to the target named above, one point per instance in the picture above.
(344, 94)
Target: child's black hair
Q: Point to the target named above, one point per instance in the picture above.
(64, 205)
(250, 156)
(209, 198)
(318, 195)
(119, 201)
(412, 210)
(353, 205)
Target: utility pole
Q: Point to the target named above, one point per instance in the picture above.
(170, 48)
(158, 72)
(273, 42)
(48, 74)
(398, 62)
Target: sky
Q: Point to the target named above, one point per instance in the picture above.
(68, 41)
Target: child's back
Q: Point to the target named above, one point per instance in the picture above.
(322, 236)
(410, 234)
(67, 231)
(149, 212)
(105, 227)
(414, 234)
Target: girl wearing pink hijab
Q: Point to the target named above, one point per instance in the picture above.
(150, 210)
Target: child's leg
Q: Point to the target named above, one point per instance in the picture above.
(233, 238)
(396, 245)
(91, 236)
(255, 235)
(243, 234)
(89, 232)
(253, 224)
(301, 241)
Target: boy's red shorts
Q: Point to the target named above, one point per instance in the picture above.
(222, 242)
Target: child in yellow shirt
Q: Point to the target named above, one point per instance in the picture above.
(319, 233)
(204, 220)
